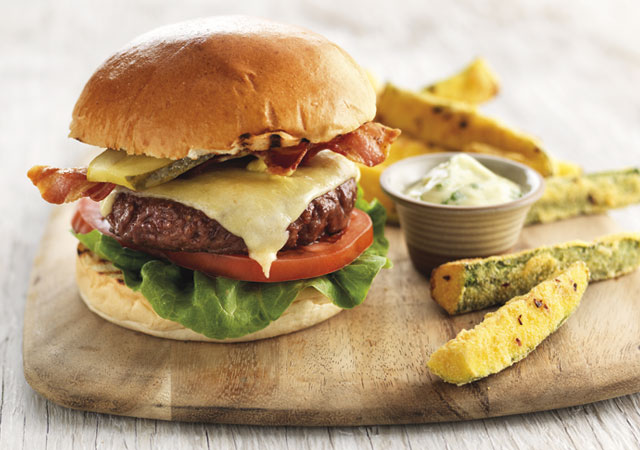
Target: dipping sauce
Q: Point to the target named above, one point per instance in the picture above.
(463, 181)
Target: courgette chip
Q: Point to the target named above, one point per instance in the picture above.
(475, 84)
(454, 125)
(509, 334)
(563, 168)
(474, 284)
(593, 193)
(486, 149)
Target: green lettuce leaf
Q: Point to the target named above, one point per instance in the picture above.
(222, 308)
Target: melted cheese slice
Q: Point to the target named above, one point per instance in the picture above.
(254, 205)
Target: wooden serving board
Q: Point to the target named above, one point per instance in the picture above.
(364, 366)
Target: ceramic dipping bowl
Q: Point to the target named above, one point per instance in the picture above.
(436, 233)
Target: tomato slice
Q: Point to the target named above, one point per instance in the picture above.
(328, 255)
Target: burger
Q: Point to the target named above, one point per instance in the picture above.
(225, 203)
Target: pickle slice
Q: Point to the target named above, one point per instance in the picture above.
(138, 172)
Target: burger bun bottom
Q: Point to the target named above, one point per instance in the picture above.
(103, 290)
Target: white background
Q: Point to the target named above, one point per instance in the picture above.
(570, 75)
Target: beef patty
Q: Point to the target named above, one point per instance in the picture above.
(168, 225)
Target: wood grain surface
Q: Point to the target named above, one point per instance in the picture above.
(569, 73)
(363, 367)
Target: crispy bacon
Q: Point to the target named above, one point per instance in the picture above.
(66, 185)
(368, 145)
(284, 160)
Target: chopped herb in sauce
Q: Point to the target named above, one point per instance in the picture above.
(463, 181)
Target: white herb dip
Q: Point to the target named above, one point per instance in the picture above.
(463, 181)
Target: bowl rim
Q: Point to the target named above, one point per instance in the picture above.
(527, 199)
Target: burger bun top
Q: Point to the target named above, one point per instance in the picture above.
(222, 85)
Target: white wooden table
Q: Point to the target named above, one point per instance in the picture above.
(570, 74)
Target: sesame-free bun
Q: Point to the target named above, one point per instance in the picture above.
(103, 290)
(222, 84)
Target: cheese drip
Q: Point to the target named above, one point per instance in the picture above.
(254, 205)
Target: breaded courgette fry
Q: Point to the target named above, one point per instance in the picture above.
(593, 193)
(486, 149)
(509, 334)
(565, 168)
(454, 125)
(474, 284)
(475, 84)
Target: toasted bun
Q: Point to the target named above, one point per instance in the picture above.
(103, 290)
(222, 84)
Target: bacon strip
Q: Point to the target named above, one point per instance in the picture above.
(284, 160)
(368, 145)
(66, 185)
